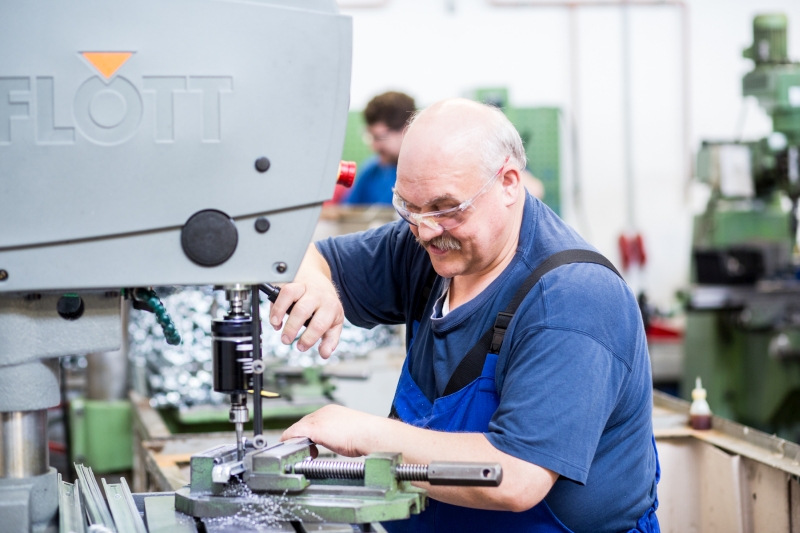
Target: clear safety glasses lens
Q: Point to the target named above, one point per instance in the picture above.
(446, 219)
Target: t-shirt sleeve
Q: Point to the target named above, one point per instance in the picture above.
(559, 390)
(371, 270)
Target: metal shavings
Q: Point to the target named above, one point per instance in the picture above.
(259, 511)
(181, 376)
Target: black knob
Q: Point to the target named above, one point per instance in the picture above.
(262, 164)
(70, 307)
(209, 237)
(262, 224)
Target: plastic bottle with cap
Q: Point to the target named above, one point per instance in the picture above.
(699, 411)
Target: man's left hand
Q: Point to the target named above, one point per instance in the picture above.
(342, 430)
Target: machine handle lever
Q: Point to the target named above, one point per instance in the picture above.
(436, 473)
(272, 292)
(465, 474)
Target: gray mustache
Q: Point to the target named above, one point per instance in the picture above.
(442, 242)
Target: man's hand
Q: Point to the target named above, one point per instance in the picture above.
(312, 294)
(353, 433)
(342, 430)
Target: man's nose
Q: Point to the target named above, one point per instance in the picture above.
(427, 232)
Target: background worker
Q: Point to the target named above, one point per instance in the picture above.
(386, 116)
(562, 401)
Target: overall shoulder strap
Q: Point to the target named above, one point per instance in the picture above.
(491, 341)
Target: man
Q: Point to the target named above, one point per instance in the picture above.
(386, 116)
(562, 401)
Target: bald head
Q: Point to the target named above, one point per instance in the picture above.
(463, 131)
(463, 158)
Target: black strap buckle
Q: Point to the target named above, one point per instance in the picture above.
(500, 326)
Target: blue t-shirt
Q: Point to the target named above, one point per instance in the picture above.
(573, 375)
(374, 184)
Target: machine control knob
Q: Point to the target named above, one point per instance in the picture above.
(347, 173)
(209, 237)
(262, 224)
(70, 307)
(262, 164)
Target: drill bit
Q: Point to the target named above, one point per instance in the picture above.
(239, 415)
(239, 441)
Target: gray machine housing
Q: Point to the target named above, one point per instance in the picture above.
(99, 175)
(102, 165)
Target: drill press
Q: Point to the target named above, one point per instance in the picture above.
(232, 338)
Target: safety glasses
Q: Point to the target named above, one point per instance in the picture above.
(445, 219)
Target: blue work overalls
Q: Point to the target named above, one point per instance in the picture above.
(469, 409)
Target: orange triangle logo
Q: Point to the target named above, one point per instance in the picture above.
(107, 63)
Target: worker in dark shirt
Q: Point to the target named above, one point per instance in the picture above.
(386, 116)
(525, 345)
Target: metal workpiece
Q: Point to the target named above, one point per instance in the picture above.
(223, 473)
(23, 444)
(96, 509)
(70, 511)
(123, 509)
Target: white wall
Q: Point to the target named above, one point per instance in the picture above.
(443, 48)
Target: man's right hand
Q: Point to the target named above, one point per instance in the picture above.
(315, 297)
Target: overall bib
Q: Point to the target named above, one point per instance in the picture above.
(468, 404)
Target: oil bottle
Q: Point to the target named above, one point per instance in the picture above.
(699, 411)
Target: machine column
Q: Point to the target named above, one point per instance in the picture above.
(23, 444)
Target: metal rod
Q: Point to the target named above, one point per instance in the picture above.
(23, 444)
(258, 419)
(438, 473)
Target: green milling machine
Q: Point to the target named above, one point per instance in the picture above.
(743, 308)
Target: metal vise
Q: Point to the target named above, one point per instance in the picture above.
(377, 489)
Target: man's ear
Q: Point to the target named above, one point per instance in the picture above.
(512, 183)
